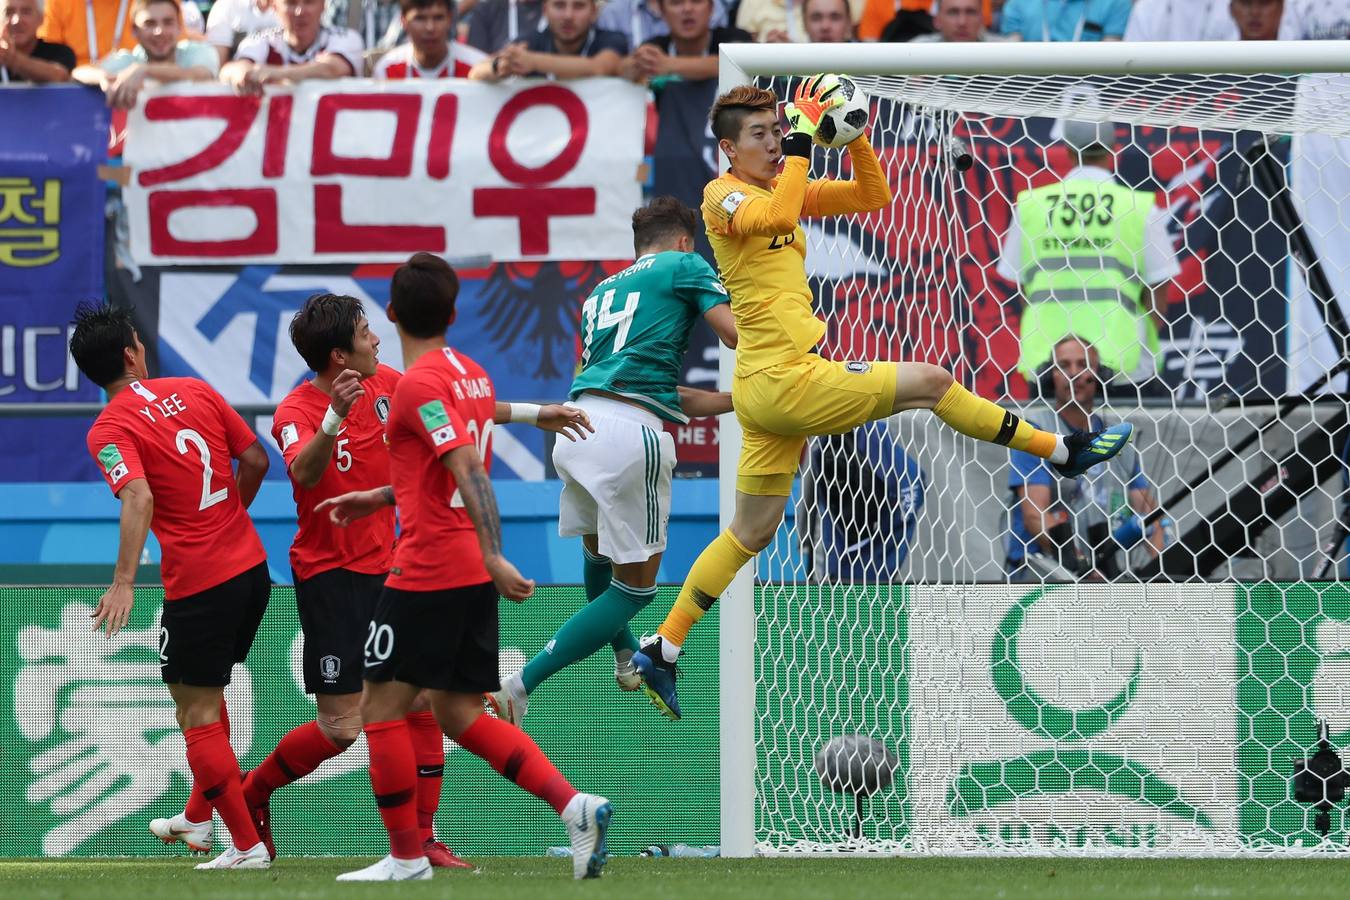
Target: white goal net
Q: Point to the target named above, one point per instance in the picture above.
(954, 649)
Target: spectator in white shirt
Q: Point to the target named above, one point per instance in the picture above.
(231, 21)
(1318, 20)
(1192, 20)
(300, 49)
(827, 21)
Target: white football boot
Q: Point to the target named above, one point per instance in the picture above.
(511, 701)
(587, 817)
(255, 857)
(392, 869)
(197, 835)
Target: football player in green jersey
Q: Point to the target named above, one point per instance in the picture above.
(616, 485)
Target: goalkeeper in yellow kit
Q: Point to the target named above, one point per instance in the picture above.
(783, 392)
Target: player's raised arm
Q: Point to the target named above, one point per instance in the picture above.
(138, 507)
(867, 191)
(751, 215)
(745, 122)
(313, 459)
(481, 504)
(569, 421)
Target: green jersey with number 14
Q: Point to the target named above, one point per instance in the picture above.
(636, 325)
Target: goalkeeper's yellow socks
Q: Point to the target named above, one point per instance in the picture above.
(978, 418)
(708, 578)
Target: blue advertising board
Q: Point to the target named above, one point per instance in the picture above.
(51, 259)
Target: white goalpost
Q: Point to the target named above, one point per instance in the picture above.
(911, 669)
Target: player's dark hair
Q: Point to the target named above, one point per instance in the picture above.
(326, 322)
(423, 293)
(101, 333)
(729, 112)
(407, 6)
(663, 220)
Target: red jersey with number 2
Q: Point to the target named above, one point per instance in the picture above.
(360, 461)
(181, 437)
(443, 402)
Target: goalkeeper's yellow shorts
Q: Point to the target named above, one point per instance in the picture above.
(781, 406)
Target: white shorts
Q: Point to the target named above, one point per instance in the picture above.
(616, 483)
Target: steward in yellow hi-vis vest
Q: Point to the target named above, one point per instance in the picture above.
(783, 392)
(1092, 258)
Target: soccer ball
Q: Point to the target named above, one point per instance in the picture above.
(845, 122)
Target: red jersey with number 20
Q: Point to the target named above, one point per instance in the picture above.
(443, 402)
(360, 461)
(181, 436)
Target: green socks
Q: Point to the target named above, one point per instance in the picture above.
(602, 621)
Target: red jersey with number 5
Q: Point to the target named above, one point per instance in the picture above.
(360, 461)
(443, 402)
(181, 437)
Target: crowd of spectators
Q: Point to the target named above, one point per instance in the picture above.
(114, 42)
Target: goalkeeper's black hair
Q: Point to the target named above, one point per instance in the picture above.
(662, 221)
(102, 332)
(326, 322)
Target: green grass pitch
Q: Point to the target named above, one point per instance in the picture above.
(655, 879)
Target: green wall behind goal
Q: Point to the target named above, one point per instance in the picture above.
(91, 752)
(1083, 719)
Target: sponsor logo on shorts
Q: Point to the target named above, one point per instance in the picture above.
(382, 409)
(329, 667)
(289, 435)
(113, 464)
(857, 367)
(437, 422)
(732, 202)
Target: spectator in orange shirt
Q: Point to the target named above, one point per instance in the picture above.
(70, 22)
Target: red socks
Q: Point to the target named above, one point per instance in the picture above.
(511, 752)
(299, 753)
(216, 770)
(429, 752)
(393, 778)
(198, 808)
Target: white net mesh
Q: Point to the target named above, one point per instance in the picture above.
(1062, 685)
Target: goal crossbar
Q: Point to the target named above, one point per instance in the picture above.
(1019, 58)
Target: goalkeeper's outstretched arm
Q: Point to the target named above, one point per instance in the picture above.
(867, 191)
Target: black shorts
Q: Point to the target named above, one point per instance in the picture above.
(444, 640)
(202, 636)
(335, 609)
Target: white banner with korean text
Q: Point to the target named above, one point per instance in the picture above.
(373, 171)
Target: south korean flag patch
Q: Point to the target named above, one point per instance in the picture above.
(113, 464)
(437, 422)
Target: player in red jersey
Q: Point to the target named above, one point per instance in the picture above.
(331, 433)
(165, 447)
(436, 623)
